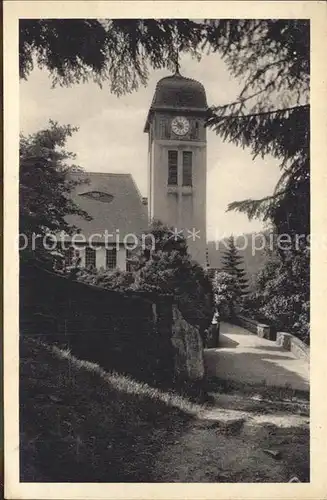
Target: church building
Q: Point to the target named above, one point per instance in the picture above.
(177, 174)
(177, 169)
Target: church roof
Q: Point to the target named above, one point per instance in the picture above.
(179, 93)
(113, 201)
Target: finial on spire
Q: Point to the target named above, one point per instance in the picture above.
(177, 65)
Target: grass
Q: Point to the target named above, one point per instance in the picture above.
(270, 393)
(79, 423)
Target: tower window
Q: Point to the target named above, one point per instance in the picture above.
(164, 129)
(111, 258)
(90, 257)
(195, 130)
(172, 168)
(187, 168)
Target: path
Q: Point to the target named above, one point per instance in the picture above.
(242, 438)
(244, 357)
(227, 445)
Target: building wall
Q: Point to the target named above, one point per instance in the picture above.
(183, 207)
(101, 257)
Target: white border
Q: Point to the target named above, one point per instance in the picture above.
(316, 12)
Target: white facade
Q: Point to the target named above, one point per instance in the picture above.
(180, 206)
(101, 257)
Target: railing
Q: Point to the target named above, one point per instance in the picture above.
(261, 329)
(284, 340)
(293, 344)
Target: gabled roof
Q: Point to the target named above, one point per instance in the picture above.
(113, 201)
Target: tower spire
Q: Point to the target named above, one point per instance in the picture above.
(177, 64)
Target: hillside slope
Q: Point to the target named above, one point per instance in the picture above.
(79, 423)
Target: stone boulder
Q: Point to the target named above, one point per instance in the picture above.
(188, 349)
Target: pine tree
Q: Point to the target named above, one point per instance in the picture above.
(272, 112)
(270, 57)
(233, 264)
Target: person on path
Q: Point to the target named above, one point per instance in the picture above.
(213, 331)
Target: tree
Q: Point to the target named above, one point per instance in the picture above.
(44, 189)
(112, 280)
(282, 294)
(271, 114)
(231, 265)
(163, 265)
(271, 57)
(159, 239)
(226, 294)
(115, 51)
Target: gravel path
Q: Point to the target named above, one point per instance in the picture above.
(243, 438)
(237, 446)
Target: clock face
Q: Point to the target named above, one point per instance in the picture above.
(180, 125)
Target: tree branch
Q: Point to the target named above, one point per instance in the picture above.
(263, 113)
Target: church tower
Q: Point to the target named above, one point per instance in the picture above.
(177, 168)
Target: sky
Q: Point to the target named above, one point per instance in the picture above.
(111, 138)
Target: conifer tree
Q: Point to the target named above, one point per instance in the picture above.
(233, 264)
(270, 57)
(44, 190)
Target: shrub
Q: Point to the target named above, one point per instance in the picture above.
(282, 295)
(176, 274)
(112, 280)
(166, 268)
(225, 287)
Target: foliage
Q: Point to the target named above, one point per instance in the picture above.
(271, 114)
(302, 323)
(282, 294)
(270, 57)
(226, 293)
(169, 268)
(45, 186)
(116, 51)
(163, 265)
(113, 280)
(231, 265)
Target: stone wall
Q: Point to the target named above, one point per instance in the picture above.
(284, 340)
(296, 346)
(188, 346)
(261, 329)
(136, 333)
